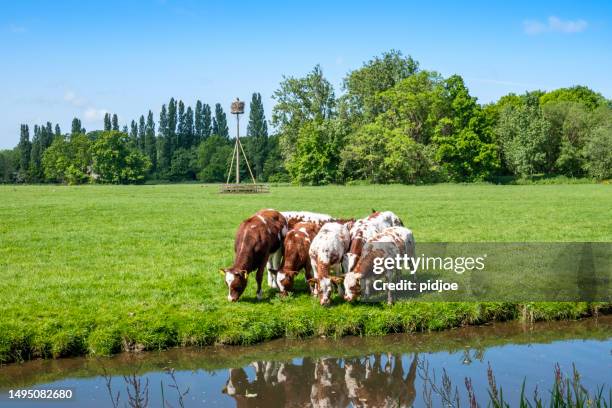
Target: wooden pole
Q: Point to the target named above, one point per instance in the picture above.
(237, 150)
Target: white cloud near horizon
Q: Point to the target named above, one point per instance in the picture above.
(554, 25)
(91, 113)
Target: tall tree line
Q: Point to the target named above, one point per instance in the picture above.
(392, 123)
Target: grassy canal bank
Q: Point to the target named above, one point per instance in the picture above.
(102, 269)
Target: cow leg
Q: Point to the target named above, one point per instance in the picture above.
(313, 266)
(337, 271)
(308, 274)
(274, 262)
(259, 279)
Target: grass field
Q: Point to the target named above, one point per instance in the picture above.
(100, 269)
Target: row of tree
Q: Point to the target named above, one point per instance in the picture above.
(393, 123)
(397, 123)
(188, 145)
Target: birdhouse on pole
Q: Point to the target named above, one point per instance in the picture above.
(237, 108)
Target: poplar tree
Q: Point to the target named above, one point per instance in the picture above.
(189, 135)
(76, 127)
(35, 168)
(58, 131)
(257, 132)
(150, 142)
(172, 125)
(47, 136)
(206, 121)
(134, 133)
(107, 122)
(141, 133)
(115, 122)
(181, 131)
(198, 124)
(24, 147)
(220, 122)
(165, 151)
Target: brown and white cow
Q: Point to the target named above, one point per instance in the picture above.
(374, 384)
(294, 217)
(295, 255)
(259, 238)
(364, 229)
(328, 389)
(327, 251)
(393, 241)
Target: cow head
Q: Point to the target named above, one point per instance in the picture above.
(323, 288)
(352, 286)
(284, 280)
(236, 281)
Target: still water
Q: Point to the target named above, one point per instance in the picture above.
(361, 372)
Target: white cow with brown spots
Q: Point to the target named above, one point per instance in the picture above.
(398, 240)
(327, 251)
(365, 229)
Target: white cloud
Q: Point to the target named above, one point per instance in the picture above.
(92, 114)
(17, 29)
(568, 26)
(554, 24)
(73, 99)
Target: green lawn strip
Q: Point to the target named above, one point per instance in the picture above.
(101, 269)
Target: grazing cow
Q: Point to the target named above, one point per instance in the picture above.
(258, 238)
(263, 391)
(399, 240)
(328, 389)
(326, 255)
(374, 384)
(364, 229)
(295, 255)
(293, 217)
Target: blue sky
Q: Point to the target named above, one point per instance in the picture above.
(62, 59)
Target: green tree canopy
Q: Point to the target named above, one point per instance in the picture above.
(364, 84)
(68, 159)
(298, 102)
(579, 94)
(116, 161)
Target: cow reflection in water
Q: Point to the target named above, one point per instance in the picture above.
(373, 381)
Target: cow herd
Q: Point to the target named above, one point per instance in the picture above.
(376, 380)
(335, 254)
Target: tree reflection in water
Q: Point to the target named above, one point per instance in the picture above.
(378, 380)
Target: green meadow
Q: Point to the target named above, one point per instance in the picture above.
(103, 269)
